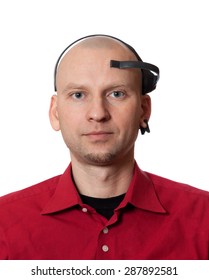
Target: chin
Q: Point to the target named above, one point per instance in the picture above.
(100, 159)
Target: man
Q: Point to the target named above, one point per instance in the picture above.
(104, 206)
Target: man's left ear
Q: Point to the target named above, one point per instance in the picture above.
(146, 112)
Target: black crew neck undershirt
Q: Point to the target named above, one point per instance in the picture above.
(104, 206)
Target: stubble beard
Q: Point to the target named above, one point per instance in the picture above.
(91, 156)
(97, 154)
(100, 153)
(100, 158)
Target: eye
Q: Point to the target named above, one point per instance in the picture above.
(117, 94)
(78, 95)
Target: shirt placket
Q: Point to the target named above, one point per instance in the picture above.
(104, 249)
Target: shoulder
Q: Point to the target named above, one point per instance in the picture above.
(45, 188)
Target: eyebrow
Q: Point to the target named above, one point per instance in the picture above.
(113, 86)
(72, 86)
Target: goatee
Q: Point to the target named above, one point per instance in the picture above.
(100, 159)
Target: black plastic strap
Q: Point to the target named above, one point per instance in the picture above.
(135, 64)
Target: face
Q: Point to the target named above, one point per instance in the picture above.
(97, 108)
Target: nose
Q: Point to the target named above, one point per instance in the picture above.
(98, 110)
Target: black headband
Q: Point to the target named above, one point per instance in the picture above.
(150, 72)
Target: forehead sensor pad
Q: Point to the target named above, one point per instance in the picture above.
(135, 64)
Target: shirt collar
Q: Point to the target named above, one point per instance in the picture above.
(141, 194)
(65, 195)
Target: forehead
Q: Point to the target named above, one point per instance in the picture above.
(93, 55)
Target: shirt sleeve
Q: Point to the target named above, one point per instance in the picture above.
(3, 246)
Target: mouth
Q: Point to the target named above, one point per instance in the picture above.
(98, 135)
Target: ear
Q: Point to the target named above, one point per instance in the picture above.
(146, 110)
(53, 113)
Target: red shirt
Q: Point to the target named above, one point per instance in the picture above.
(158, 219)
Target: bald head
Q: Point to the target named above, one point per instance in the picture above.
(92, 51)
(101, 42)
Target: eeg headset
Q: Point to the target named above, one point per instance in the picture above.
(150, 72)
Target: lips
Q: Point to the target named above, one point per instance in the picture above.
(98, 135)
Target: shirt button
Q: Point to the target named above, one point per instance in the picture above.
(105, 248)
(84, 209)
(105, 230)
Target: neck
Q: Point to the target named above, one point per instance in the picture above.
(102, 181)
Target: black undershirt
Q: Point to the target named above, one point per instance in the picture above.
(104, 206)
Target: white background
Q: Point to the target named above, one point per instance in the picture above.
(171, 34)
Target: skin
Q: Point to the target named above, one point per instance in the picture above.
(99, 111)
